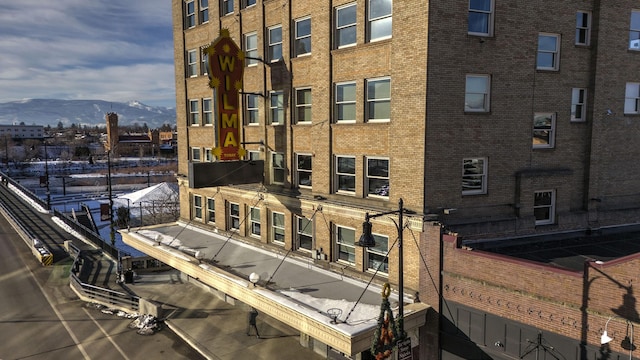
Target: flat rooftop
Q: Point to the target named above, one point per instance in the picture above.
(565, 251)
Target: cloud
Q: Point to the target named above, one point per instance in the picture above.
(115, 50)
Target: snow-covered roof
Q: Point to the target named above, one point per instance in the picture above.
(163, 191)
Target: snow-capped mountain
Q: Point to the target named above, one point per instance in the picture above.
(83, 112)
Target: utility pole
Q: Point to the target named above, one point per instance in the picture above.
(112, 229)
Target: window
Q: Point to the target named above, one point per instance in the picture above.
(578, 104)
(377, 177)
(226, 7)
(207, 113)
(195, 154)
(208, 155)
(247, 3)
(197, 207)
(345, 243)
(234, 216)
(543, 130)
(253, 155)
(254, 221)
(346, 25)
(189, 14)
(303, 106)
(474, 176)
(346, 102)
(346, 174)
(480, 21)
(544, 207)
(634, 30)
(204, 11)
(277, 168)
(204, 64)
(476, 95)
(251, 111)
(193, 112)
(632, 98)
(380, 19)
(548, 52)
(377, 255)
(277, 227)
(251, 49)
(302, 43)
(211, 210)
(379, 100)
(276, 107)
(303, 170)
(583, 28)
(275, 43)
(304, 230)
(192, 63)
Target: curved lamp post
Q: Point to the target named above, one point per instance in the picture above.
(605, 338)
(367, 240)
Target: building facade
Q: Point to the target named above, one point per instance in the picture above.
(487, 120)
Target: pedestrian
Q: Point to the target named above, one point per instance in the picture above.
(253, 314)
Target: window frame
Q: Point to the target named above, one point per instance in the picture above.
(245, 3)
(338, 105)
(377, 101)
(338, 175)
(233, 215)
(274, 228)
(300, 171)
(338, 29)
(275, 170)
(303, 107)
(253, 155)
(273, 45)
(340, 243)
(277, 109)
(203, 16)
(578, 102)
(468, 176)
(304, 232)
(369, 177)
(204, 63)
(190, 17)
(251, 52)
(208, 155)
(197, 207)
(301, 38)
(372, 21)
(251, 113)
(226, 7)
(207, 112)
(551, 208)
(486, 104)
(634, 29)
(195, 154)
(489, 14)
(192, 63)
(377, 251)
(211, 210)
(583, 30)
(555, 53)
(632, 100)
(194, 112)
(551, 130)
(254, 223)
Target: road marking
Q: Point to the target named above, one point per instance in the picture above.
(106, 334)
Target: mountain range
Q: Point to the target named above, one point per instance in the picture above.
(83, 113)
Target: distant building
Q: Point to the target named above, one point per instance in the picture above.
(129, 144)
(22, 131)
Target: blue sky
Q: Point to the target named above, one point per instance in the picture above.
(113, 50)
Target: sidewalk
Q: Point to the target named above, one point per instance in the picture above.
(213, 327)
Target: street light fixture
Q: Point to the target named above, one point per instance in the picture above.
(627, 342)
(367, 240)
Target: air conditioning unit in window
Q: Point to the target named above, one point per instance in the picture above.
(634, 44)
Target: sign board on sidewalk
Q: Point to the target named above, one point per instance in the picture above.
(404, 349)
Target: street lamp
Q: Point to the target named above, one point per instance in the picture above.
(46, 174)
(112, 232)
(627, 342)
(367, 240)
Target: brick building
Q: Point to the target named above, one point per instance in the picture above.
(493, 124)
